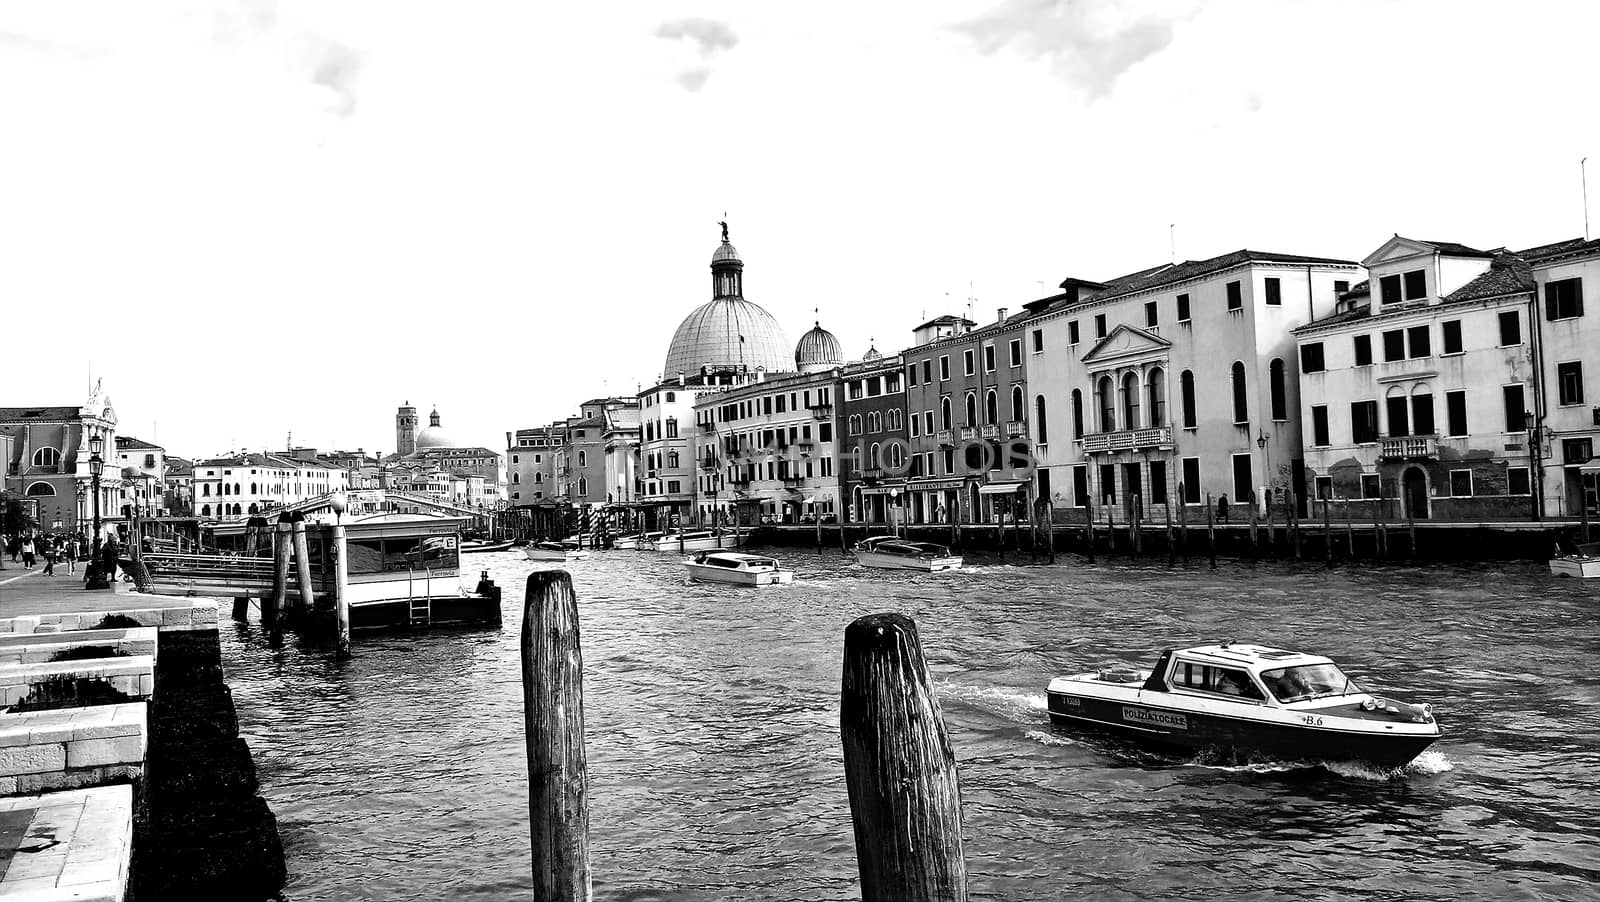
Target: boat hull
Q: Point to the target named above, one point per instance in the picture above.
(899, 562)
(540, 554)
(483, 549)
(1154, 724)
(704, 573)
(1579, 567)
(699, 543)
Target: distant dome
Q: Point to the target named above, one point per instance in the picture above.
(818, 350)
(711, 336)
(434, 436)
(872, 354)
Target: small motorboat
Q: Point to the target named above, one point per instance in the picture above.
(1583, 563)
(738, 569)
(481, 547)
(639, 541)
(554, 551)
(1246, 698)
(700, 540)
(894, 553)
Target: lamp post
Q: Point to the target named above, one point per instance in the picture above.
(1533, 464)
(1266, 464)
(96, 576)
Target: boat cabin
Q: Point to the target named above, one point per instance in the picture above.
(1248, 673)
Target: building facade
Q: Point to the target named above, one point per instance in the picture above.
(774, 452)
(874, 445)
(143, 468)
(531, 463)
(48, 464)
(246, 484)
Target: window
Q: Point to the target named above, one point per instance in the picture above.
(1018, 405)
(944, 368)
(1274, 292)
(583, 485)
(1389, 289)
(972, 409)
(1323, 487)
(1157, 389)
(1461, 483)
(1072, 332)
(1510, 328)
(1577, 451)
(1319, 426)
(1515, 408)
(1394, 345)
(1039, 434)
(1569, 382)
(1038, 340)
(1183, 308)
(583, 459)
(1190, 486)
(1311, 359)
(1077, 414)
(1455, 412)
(944, 412)
(1280, 398)
(1363, 350)
(1416, 285)
(1099, 325)
(40, 489)
(1130, 402)
(1363, 422)
(1371, 486)
(1399, 419)
(1158, 482)
(1340, 286)
(1418, 338)
(1422, 414)
(1108, 484)
(1517, 481)
(1235, 296)
(911, 376)
(988, 358)
(1241, 397)
(1080, 485)
(968, 362)
(927, 372)
(1151, 317)
(1563, 299)
(1108, 405)
(672, 424)
(46, 457)
(1451, 330)
(1015, 349)
(991, 407)
(1186, 388)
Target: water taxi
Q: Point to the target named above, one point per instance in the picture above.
(1583, 563)
(699, 540)
(894, 553)
(553, 551)
(738, 569)
(1246, 699)
(638, 541)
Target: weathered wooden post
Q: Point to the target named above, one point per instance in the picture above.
(1047, 511)
(1136, 525)
(1183, 523)
(1294, 523)
(341, 592)
(1272, 530)
(1171, 551)
(1382, 520)
(1349, 531)
(1411, 530)
(552, 708)
(302, 562)
(281, 549)
(1111, 530)
(1088, 511)
(899, 768)
(241, 608)
(1211, 533)
(816, 514)
(1255, 526)
(1327, 532)
(1583, 513)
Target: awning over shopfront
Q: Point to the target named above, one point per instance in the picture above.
(1002, 488)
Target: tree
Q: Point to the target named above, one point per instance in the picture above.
(14, 517)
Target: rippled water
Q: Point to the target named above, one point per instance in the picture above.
(715, 768)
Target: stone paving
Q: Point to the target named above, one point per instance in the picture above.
(66, 845)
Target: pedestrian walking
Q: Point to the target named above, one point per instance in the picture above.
(72, 555)
(27, 552)
(14, 546)
(47, 550)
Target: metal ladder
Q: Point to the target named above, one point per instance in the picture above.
(422, 608)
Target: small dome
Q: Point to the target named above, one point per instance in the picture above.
(726, 252)
(872, 353)
(818, 350)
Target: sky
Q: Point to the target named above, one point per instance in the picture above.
(253, 219)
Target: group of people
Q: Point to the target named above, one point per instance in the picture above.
(51, 548)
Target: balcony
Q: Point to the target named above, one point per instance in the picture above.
(969, 433)
(1415, 447)
(822, 410)
(708, 463)
(792, 478)
(708, 427)
(1016, 430)
(740, 479)
(1156, 437)
(947, 439)
(991, 431)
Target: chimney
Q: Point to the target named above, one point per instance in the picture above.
(1001, 317)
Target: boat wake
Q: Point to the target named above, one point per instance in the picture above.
(1018, 705)
(1044, 738)
(1426, 764)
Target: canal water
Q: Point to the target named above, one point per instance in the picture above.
(716, 772)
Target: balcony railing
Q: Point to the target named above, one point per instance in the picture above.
(822, 410)
(708, 463)
(791, 478)
(1016, 429)
(708, 427)
(1415, 447)
(991, 431)
(969, 433)
(947, 438)
(1127, 440)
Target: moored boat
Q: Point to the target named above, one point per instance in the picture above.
(699, 540)
(1243, 699)
(737, 568)
(1583, 563)
(640, 541)
(894, 553)
(483, 547)
(553, 551)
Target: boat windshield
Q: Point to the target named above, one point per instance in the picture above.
(1307, 681)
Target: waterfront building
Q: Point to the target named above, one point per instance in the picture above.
(178, 476)
(433, 448)
(1179, 376)
(967, 387)
(667, 452)
(596, 463)
(767, 449)
(243, 484)
(143, 468)
(532, 463)
(1455, 390)
(874, 460)
(48, 462)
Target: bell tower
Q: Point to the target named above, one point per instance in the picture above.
(405, 429)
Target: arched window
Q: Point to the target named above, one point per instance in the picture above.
(1241, 398)
(1019, 405)
(1130, 402)
(1186, 387)
(991, 407)
(46, 457)
(944, 413)
(1158, 397)
(253, 488)
(41, 488)
(1077, 414)
(672, 459)
(236, 488)
(583, 483)
(1039, 434)
(897, 456)
(237, 510)
(1108, 404)
(874, 456)
(583, 459)
(254, 510)
(205, 510)
(227, 489)
(516, 478)
(205, 489)
(1280, 397)
(538, 479)
(972, 409)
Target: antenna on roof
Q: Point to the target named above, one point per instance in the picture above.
(1172, 241)
(1583, 173)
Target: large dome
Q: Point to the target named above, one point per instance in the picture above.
(818, 350)
(727, 333)
(434, 436)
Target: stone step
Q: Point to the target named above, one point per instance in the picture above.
(70, 748)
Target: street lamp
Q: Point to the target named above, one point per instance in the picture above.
(96, 576)
(1266, 466)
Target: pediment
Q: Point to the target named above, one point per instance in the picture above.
(1397, 248)
(1126, 341)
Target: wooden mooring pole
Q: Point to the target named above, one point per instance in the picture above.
(1211, 533)
(1255, 529)
(1349, 531)
(1183, 524)
(302, 564)
(1327, 532)
(1049, 515)
(899, 767)
(272, 609)
(552, 707)
(1088, 511)
(1171, 551)
(341, 592)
